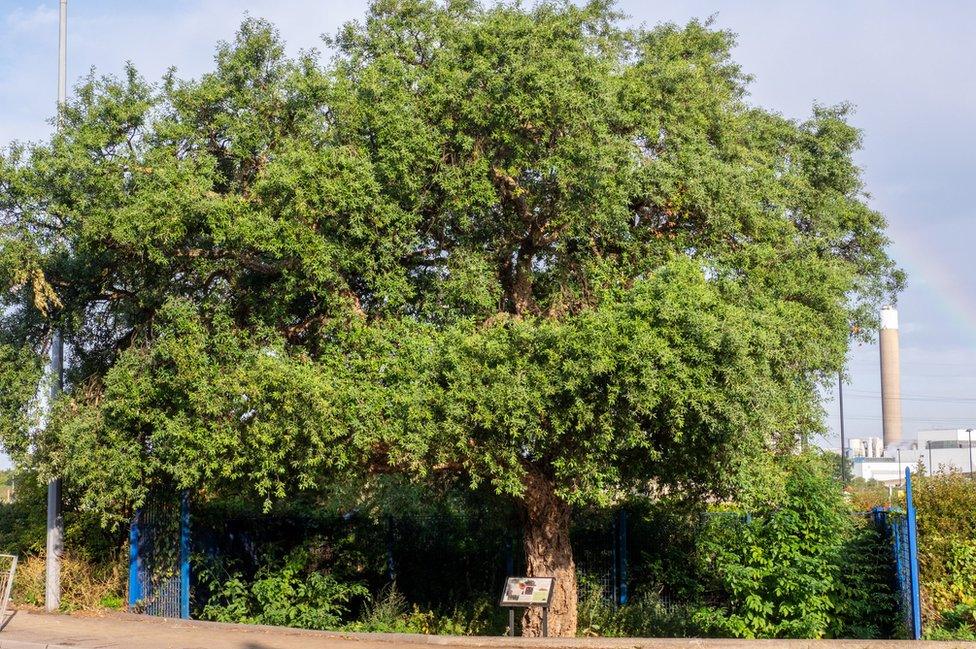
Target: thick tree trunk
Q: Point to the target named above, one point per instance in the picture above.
(548, 553)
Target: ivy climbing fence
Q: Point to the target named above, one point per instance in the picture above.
(902, 529)
(159, 558)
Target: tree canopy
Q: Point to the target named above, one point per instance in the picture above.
(534, 246)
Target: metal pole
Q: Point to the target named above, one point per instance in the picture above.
(185, 556)
(622, 541)
(135, 574)
(63, 55)
(843, 458)
(613, 566)
(899, 467)
(970, 432)
(910, 519)
(55, 520)
(545, 621)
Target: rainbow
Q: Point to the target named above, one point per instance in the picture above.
(942, 283)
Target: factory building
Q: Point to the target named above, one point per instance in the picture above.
(885, 459)
(937, 450)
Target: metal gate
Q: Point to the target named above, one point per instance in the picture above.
(159, 558)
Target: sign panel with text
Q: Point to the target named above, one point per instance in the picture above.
(527, 591)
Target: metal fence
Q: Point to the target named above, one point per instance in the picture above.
(602, 559)
(474, 549)
(901, 526)
(159, 558)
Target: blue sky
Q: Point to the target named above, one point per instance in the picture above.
(909, 67)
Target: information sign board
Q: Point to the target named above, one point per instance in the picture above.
(527, 591)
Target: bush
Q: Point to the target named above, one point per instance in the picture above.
(864, 495)
(647, 616)
(957, 624)
(285, 595)
(793, 567)
(85, 586)
(22, 521)
(391, 613)
(946, 510)
(596, 616)
(865, 602)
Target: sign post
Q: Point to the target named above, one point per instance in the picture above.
(524, 592)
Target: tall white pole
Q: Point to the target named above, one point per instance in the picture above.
(63, 55)
(55, 520)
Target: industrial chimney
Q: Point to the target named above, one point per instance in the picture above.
(890, 377)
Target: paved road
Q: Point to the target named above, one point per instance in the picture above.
(32, 630)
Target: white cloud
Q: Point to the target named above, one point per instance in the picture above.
(41, 16)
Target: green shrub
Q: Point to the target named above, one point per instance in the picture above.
(946, 506)
(865, 495)
(391, 613)
(596, 616)
(286, 595)
(646, 616)
(957, 624)
(790, 569)
(865, 604)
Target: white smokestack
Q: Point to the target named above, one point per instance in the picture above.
(890, 377)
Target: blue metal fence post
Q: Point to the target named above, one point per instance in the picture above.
(185, 555)
(622, 542)
(135, 582)
(913, 557)
(614, 563)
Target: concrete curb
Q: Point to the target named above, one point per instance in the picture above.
(504, 642)
(495, 642)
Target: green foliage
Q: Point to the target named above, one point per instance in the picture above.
(23, 526)
(523, 245)
(263, 272)
(946, 515)
(20, 375)
(789, 568)
(288, 594)
(291, 592)
(958, 623)
(390, 612)
(865, 495)
(865, 604)
(646, 616)
(22, 521)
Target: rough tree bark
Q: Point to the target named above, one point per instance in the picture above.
(548, 553)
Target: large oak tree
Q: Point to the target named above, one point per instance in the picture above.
(529, 246)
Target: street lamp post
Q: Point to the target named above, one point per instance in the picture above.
(55, 520)
(970, 431)
(843, 458)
